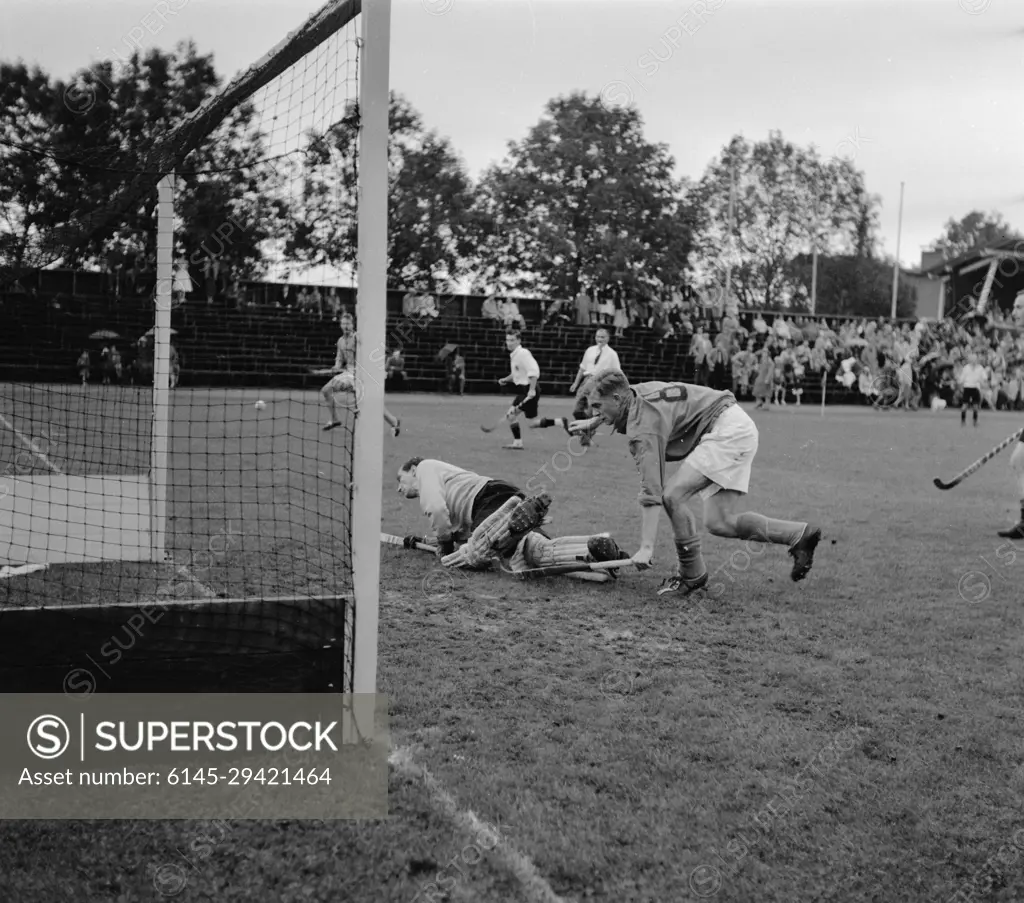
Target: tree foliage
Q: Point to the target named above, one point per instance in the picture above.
(974, 230)
(429, 201)
(76, 143)
(786, 200)
(855, 285)
(583, 201)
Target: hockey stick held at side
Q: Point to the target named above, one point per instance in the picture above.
(391, 540)
(502, 419)
(575, 568)
(984, 459)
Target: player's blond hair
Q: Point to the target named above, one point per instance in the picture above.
(608, 382)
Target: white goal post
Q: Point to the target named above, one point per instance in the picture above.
(371, 319)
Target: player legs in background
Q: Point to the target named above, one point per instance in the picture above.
(581, 411)
(526, 406)
(1017, 466)
(971, 397)
(392, 421)
(341, 382)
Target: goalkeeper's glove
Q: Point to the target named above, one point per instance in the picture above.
(411, 541)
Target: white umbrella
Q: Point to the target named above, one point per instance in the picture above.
(152, 331)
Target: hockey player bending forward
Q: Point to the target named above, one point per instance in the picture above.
(716, 441)
(493, 520)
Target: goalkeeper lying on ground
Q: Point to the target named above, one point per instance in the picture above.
(493, 520)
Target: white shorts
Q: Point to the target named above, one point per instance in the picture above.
(343, 382)
(726, 452)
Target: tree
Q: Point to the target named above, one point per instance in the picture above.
(429, 201)
(975, 230)
(28, 178)
(78, 142)
(583, 201)
(853, 285)
(787, 199)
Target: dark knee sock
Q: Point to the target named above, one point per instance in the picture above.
(551, 421)
(517, 433)
(691, 562)
(768, 529)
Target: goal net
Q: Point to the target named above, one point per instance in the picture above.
(173, 514)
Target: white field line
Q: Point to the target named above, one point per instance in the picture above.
(30, 443)
(536, 889)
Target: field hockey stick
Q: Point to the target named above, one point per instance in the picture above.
(324, 371)
(390, 539)
(502, 419)
(575, 568)
(984, 459)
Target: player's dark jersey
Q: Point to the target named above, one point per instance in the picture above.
(665, 422)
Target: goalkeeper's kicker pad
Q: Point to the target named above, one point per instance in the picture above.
(499, 535)
(537, 551)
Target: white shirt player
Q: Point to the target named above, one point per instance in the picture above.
(974, 376)
(598, 358)
(345, 359)
(524, 366)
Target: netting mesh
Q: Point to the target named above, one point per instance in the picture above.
(243, 581)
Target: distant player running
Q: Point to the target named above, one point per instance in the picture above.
(596, 359)
(525, 376)
(716, 441)
(344, 381)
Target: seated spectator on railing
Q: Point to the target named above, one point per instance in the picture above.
(427, 310)
(394, 371)
(510, 315)
(491, 309)
(410, 304)
(760, 326)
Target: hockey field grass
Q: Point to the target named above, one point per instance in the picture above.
(856, 736)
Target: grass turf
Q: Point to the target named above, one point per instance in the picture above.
(856, 736)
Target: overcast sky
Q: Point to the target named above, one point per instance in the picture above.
(923, 91)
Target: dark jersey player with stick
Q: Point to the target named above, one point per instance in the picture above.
(715, 441)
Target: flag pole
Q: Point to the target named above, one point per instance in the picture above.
(896, 265)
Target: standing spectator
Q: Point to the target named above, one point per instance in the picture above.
(457, 372)
(606, 309)
(972, 378)
(83, 367)
(700, 348)
(765, 377)
(621, 318)
(394, 370)
(584, 309)
(181, 282)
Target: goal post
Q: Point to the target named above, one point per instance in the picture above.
(214, 535)
(159, 470)
(371, 320)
